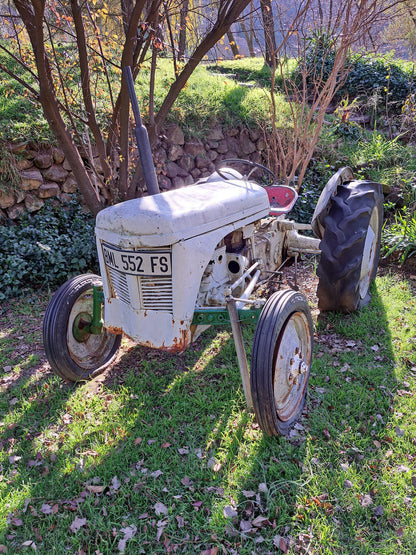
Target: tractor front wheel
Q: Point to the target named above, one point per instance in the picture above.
(350, 246)
(73, 353)
(281, 361)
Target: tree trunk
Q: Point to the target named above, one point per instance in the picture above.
(269, 35)
(182, 30)
(233, 44)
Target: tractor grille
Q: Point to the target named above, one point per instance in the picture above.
(119, 285)
(156, 293)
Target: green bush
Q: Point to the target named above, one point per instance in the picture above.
(366, 74)
(46, 249)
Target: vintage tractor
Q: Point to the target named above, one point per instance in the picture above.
(176, 262)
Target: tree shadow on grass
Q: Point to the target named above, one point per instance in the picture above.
(180, 465)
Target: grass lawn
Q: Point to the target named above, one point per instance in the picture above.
(159, 454)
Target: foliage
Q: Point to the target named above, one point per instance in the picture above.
(9, 175)
(45, 249)
(400, 236)
(365, 74)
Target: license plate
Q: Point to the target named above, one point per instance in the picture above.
(138, 263)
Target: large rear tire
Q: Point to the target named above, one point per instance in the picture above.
(71, 355)
(350, 246)
(281, 361)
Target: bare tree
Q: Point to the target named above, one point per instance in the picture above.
(51, 27)
(291, 149)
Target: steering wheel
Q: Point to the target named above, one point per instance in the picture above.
(253, 165)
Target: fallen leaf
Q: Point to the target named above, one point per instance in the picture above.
(326, 433)
(14, 459)
(17, 522)
(245, 526)
(402, 468)
(280, 543)
(210, 551)
(166, 444)
(378, 511)
(186, 481)
(197, 505)
(95, 489)
(183, 451)
(375, 348)
(128, 532)
(377, 444)
(46, 509)
(229, 512)
(160, 509)
(263, 488)
(348, 484)
(366, 500)
(150, 441)
(249, 493)
(77, 524)
(260, 521)
(399, 431)
(180, 520)
(137, 440)
(115, 483)
(345, 368)
(156, 474)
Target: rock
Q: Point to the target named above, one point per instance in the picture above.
(31, 179)
(32, 203)
(215, 134)
(16, 211)
(194, 149)
(387, 189)
(186, 163)
(202, 162)
(171, 169)
(247, 146)
(212, 155)
(58, 155)
(182, 181)
(70, 185)
(3, 216)
(261, 145)
(175, 135)
(164, 182)
(222, 147)
(24, 164)
(66, 165)
(175, 152)
(213, 144)
(255, 134)
(20, 196)
(43, 160)
(233, 132)
(48, 190)
(55, 173)
(160, 156)
(6, 199)
(234, 146)
(196, 173)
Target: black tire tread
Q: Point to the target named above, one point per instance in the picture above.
(271, 323)
(55, 324)
(342, 245)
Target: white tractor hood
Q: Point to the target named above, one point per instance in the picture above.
(177, 215)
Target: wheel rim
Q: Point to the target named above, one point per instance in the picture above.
(291, 366)
(90, 351)
(369, 253)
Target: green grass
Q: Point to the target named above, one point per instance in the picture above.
(163, 446)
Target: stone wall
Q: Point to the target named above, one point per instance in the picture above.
(45, 173)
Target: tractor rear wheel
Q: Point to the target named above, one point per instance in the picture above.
(281, 361)
(72, 353)
(350, 246)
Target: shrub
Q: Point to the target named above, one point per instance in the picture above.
(400, 236)
(366, 74)
(46, 249)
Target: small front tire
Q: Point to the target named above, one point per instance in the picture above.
(71, 356)
(281, 361)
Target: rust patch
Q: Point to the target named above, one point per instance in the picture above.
(115, 331)
(178, 346)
